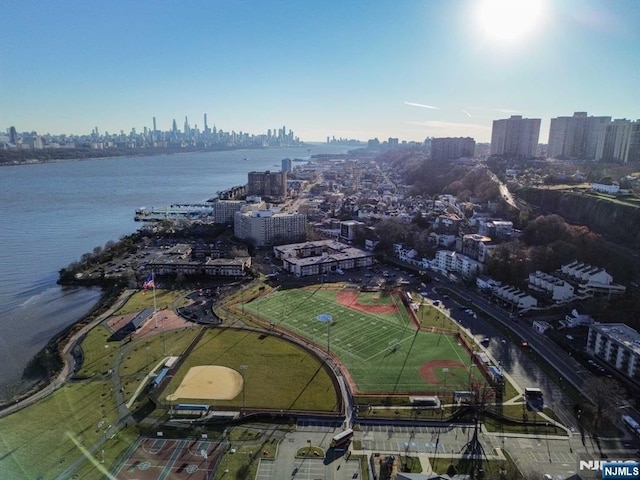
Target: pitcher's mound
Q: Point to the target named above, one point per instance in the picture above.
(209, 382)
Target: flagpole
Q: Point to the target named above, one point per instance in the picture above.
(155, 308)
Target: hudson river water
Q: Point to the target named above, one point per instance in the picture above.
(52, 213)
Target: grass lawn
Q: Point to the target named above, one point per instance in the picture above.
(141, 300)
(383, 352)
(429, 316)
(36, 441)
(98, 353)
(279, 374)
(241, 464)
(113, 450)
(492, 468)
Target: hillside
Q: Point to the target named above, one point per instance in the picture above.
(615, 221)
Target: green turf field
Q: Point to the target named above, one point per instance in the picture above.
(383, 352)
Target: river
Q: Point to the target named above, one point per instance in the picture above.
(52, 213)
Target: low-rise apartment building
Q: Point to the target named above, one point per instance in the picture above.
(323, 256)
(618, 345)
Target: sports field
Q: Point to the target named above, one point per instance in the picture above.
(383, 352)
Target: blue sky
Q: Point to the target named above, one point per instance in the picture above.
(357, 69)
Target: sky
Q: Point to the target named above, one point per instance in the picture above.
(408, 69)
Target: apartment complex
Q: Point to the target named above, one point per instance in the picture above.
(224, 210)
(452, 148)
(591, 280)
(447, 261)
(515, 137)
(618, 345)
(271, 186)
(324, 256)
(576, 136)
(270, 227)
(557, 289)
(619, 142)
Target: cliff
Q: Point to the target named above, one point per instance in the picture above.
(615, 221)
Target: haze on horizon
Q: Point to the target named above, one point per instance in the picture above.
(407, 69)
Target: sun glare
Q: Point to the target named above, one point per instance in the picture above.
(509, 19)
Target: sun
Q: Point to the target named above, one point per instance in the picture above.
(510, 20)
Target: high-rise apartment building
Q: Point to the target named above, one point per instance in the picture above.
(452, 148)
(267, 227)
(271, 186)
(515, 137)
(576, 136)
(287, 165)
(620, 142)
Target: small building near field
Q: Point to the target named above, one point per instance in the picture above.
(139, 320)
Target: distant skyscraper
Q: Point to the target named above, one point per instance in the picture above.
(452, 148)
(286, 165)
(13, 136)
(154, 125)
(206, 127)
(576, 136)
(174, 127)
(187, 129)
(515, 137)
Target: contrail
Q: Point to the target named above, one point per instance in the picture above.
(506, 110)
(464, 111)
(411, 104)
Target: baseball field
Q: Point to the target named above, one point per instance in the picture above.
(373, 336)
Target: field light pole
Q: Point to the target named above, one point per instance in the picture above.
(444, 390)
(242, 369)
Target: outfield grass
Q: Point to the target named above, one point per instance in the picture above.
(279, 374)
(383, 352)
(37, 441)
(145, 354)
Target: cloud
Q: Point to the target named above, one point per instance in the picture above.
(411, 104)
(468, 114)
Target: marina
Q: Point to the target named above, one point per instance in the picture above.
(178, 211)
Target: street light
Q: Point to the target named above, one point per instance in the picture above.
(242, 369)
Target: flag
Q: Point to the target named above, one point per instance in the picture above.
(149, 283)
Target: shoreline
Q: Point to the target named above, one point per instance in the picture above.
(140, 153)
(58, 349)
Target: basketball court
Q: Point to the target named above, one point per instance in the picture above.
(158, 459)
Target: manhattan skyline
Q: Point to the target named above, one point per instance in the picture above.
(410, 69)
